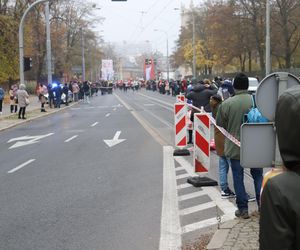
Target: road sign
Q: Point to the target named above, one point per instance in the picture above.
(270, 89)
(258, 142)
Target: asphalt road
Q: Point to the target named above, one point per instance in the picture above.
(62, 186)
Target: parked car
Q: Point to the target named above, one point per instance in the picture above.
(253, 84)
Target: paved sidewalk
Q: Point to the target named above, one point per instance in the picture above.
(33, 111)
(238, 234)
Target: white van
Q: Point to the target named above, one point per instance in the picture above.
(253, 84)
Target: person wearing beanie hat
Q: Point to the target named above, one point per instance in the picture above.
(230, 117)
(280, 201)
(241, 82)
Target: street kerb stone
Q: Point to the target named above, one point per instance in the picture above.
(218, 239)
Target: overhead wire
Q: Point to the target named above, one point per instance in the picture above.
(136, 38)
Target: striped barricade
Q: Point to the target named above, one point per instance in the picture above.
(180, 112)
(180, 98)
(201, 151)
(202, 142)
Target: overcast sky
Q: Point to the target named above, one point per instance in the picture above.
(135, 20)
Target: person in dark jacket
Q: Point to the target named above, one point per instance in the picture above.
(280, 201)
(58, 92)
(86, 92)
(2, 94)
(200, 95)
(50, 95)
(65, 90)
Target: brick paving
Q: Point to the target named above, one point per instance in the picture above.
(238, 234)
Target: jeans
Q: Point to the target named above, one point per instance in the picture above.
(223, 171)
(86, 98)
(239, 187)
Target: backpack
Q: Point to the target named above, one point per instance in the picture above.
(254, 115)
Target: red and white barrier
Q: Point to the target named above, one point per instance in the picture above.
(180, 98)
(180, 110)
(201, 142)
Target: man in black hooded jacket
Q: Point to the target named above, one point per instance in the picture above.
(280, 200)
(200, 95)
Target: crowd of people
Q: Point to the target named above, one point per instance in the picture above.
(53, 94)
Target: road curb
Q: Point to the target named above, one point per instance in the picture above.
(220, 236)
(19, 122)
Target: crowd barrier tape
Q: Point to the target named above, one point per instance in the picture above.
(222, 130)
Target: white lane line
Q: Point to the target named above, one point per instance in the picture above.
(114, 109)
(170, 230)
(204, 223)
(198, 208)
(191, 195)
(179, 168)
(149, 104)
(181, 176)
(71, 138)
(160, 119)
(107, 115)
(20, 166)
(94, 124)
(153, 132)
(226, 206)
(185, 185)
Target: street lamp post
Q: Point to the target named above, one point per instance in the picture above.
(168, 64)
(48, 44)
(21, 39)
(268, 46)
(82, 54)
(194, 46)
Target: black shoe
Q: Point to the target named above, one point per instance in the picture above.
(24, 118)
(242, 214)
(226, 194)
(19, 117)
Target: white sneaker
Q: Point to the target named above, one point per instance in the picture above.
(0, 113)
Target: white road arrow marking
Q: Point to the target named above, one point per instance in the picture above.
(107, 115)
(27, 140)
(115, 140)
